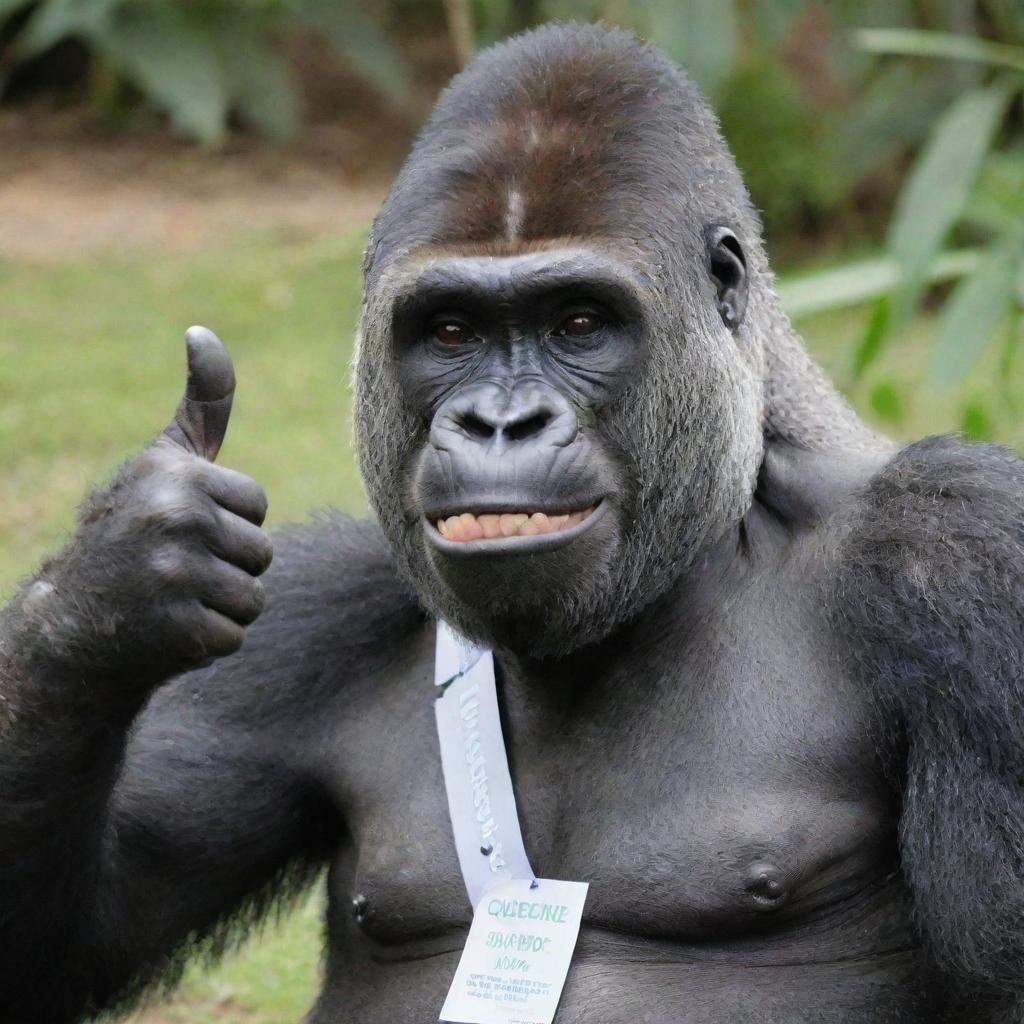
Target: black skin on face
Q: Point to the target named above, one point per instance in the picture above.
(769, 703)
(509, 362)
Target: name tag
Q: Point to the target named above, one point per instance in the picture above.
(524, 928)
(518, 953)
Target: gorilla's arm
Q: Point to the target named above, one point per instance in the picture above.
(120, 850)
(930, 593)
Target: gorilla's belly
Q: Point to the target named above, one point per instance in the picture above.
(619, 979)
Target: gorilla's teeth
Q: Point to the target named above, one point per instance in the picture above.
(510, 522)
(468, 527)
(491, 525)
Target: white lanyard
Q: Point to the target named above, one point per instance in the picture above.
(481, 801)
(524, 928)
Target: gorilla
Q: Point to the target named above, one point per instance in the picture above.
(761, 673)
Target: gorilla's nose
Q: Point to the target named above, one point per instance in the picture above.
(501, 418)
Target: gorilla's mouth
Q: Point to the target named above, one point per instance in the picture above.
(492, 525)
(498, 530)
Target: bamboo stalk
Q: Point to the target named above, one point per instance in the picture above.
(460, 29)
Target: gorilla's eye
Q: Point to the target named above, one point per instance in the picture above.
(579, 325)
(451, 332)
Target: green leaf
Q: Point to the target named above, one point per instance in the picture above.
(702, 35)
(921, 43)
(940, 182)
(976, 422)
(175, 63)
(1007, 358)
(998, 195)
(259, 84)
(581, 10)
(850, 285)
(873, 339)
(358, 40)
(897, 106)
(973, 312)
(492, 19)
(54, 20)
(771, 22)
(8, 7)
(887, 403)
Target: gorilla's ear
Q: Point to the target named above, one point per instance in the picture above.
(728, 268)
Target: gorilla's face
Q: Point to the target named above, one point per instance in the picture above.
(511, 365)
(558, 403)
(559, 461)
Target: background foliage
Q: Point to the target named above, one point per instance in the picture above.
(826, 106)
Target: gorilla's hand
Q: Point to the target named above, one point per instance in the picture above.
(162, 575)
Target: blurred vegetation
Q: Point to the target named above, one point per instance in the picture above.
(890, 128)
(964, 181)
(203, 62)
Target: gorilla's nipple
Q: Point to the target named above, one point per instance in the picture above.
(360, 908)
(766, 884)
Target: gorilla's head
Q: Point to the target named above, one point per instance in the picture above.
(560, 379)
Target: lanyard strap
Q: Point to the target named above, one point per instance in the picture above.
(481, 801)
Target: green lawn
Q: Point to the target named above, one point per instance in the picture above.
(92, 364)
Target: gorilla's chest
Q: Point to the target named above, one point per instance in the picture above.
(727, 787)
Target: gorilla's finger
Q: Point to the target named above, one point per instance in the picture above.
(207, 633)
(233, 593)
(235, 491)
(201, 421)
(217, 635)
(238, 541)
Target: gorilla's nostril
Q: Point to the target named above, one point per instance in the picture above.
(525, 428)
(476, 426)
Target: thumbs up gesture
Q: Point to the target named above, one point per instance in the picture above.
(201, 421)
(174, 545)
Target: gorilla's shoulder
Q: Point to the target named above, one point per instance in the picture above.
(927, 582)
(333, 581)
(942, 500)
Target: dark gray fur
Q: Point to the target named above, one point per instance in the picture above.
(775, 722)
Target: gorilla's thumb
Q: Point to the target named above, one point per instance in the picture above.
(201, 421)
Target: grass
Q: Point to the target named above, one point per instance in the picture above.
(92, 364)
(271, 979)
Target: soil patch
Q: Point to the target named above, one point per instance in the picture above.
(66, 190)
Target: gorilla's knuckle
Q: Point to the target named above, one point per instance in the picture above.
(169, 565)
(160, 505)
(171, 507)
